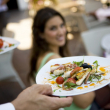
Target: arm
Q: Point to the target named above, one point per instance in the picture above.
(84, 100)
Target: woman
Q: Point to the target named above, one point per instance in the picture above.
(49, 42)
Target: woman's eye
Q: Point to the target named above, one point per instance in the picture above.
(62, 25)
(53, 28)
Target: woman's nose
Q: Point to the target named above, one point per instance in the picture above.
(60, 31)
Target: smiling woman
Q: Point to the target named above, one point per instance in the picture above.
(49, 39)
(50, 42)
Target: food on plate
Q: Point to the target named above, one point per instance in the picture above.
(60, 70)
(71, 75)
(1, 43)
(59, 80)
(4, 44)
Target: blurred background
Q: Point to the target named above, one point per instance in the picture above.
(88, 22)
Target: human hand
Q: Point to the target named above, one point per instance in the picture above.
(35, 98)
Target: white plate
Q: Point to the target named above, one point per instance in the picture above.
(43, 74)
(10, 40)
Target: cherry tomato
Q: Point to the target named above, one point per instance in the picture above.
(1, 43)
(71, 80)
(59, 80)
(75, 70)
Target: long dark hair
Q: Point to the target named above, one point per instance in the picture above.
(39, 45)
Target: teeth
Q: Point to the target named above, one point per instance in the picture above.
(60, 38)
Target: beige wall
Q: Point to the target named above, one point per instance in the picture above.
(62, 1)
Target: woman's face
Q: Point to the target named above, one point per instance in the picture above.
(55, 32)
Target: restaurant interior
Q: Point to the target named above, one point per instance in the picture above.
(87, 23)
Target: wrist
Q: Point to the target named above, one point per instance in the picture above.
(17, 105)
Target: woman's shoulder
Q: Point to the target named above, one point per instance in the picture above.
(52, 56)
(46, 57)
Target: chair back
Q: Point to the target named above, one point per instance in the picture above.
(92, 40)
(92, 5)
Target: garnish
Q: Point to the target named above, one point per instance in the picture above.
(70, 85)
(93, 76)
(1, 50)
(58, 85)
(96, 64)
(53, 77)
(79, 63)
(6, 46)
(54, 90)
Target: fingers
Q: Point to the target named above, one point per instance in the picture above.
(43, 89)
(47, 90)
(60, 102)
(65, 102)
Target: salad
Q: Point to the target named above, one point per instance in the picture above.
(71, 75)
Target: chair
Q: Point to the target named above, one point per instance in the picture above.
(92, 40)
(92, 5)
(7, 72)
(91, 21)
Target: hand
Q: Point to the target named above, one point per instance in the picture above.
(35, 98)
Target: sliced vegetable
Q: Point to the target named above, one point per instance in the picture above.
(79, 75)
(80, 81)
(75, 70)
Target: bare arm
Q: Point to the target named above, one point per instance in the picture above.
(84, 100)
